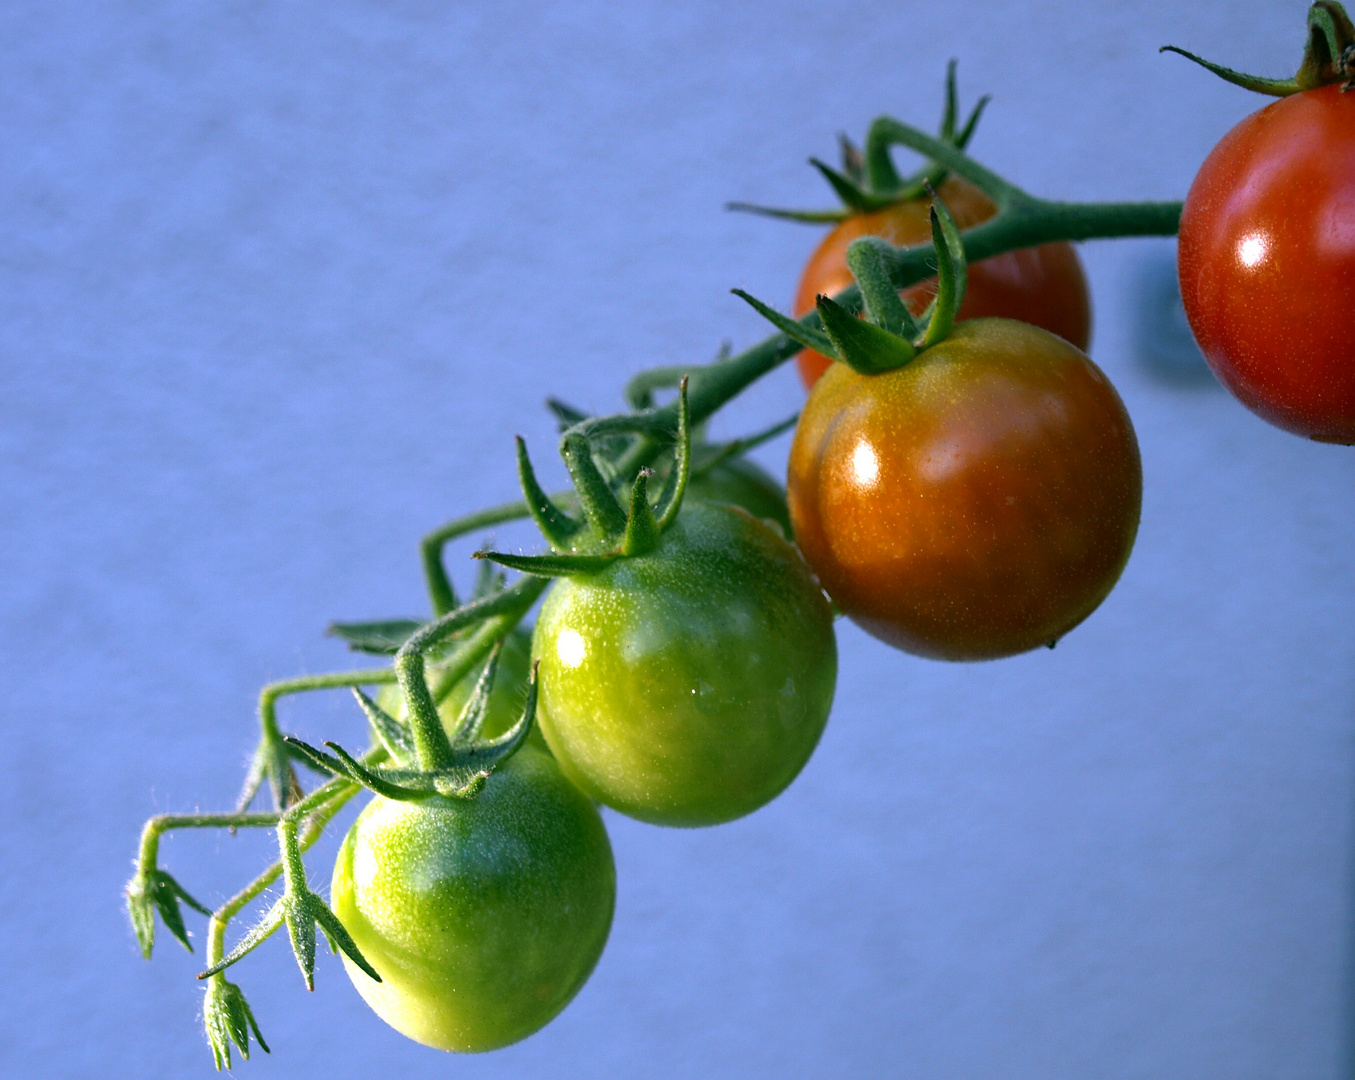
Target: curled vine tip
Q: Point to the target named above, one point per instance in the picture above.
(228, 1019)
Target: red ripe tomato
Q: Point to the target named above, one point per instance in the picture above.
(1042, 285)
(977, 502)
(1267, 263)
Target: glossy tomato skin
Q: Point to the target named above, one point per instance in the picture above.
(506, 698)
(740, 482)
(1043, 285)
(688, 686)
(1267, 263)
(483, 916)
(978, 502)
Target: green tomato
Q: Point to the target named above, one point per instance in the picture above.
(506, 697)
(483, 916)
(740, 482)
(690, 685)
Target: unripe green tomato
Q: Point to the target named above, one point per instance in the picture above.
(690, 685)
(506, 698)
(741, 482)
(483, 916)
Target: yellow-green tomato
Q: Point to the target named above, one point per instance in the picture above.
(483, 916)
(690, 685)
(506, 698)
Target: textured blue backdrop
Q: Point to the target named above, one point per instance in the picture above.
(278, 283)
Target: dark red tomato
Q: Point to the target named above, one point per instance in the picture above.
(1042, 285)
(1267, 263)
(977, 502)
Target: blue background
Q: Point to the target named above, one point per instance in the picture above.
(278, 284)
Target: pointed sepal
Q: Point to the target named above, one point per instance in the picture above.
(151, 891)
(556, 526)
(869, 259)
(472, 719)
(952, 274)
(796, 331)
(642, 527)
(550, 565)
(670, 502)
(604, 513)
(228, 1019)
(393, 734)
(866, 348)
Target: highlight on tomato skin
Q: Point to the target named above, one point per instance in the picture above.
(1043, 285)
(978, 502)
(690, 685)
(1266, 258)
(483, 916)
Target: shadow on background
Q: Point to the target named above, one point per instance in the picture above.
(1163, 345)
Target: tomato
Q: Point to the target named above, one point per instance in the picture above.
(483, 916)
(1041, 285)
(690, 685)
(740, 482)
(977, 502)
(1267, 263)
(505, 697)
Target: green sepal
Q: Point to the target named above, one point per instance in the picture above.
(1328, 56)
(556, 526)
(346, 766)
(381, 637)
(472, 719)
(952, 274)
(869, 258)
(809, 217)
(300, 912)
(1256, 83)
(865, 347)
(642, 527)
(599, 504)
(488, 581)
(150, 891)
(228, 1019)
(393, 734)
(254, 937)
(853, 161)
(796, 331)
(550, 565)
(852, 194)
(670, 501)
(566, 415)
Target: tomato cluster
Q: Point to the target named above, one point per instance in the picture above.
(964, 483)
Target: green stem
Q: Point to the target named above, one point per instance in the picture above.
(430, 740)
(440, 590)
(319, 806)
(1025, 223)
(157, 826)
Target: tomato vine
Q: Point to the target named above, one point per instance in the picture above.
(619, 534)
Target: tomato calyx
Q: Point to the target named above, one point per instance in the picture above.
(471, 758)
(1328, 56)
(607, 532)
(867, 180)
(228, 1019)
(889, 336)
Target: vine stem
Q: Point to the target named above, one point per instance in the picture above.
(271, 760)
(430, 740)
(1025, 222)
(318, 808)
